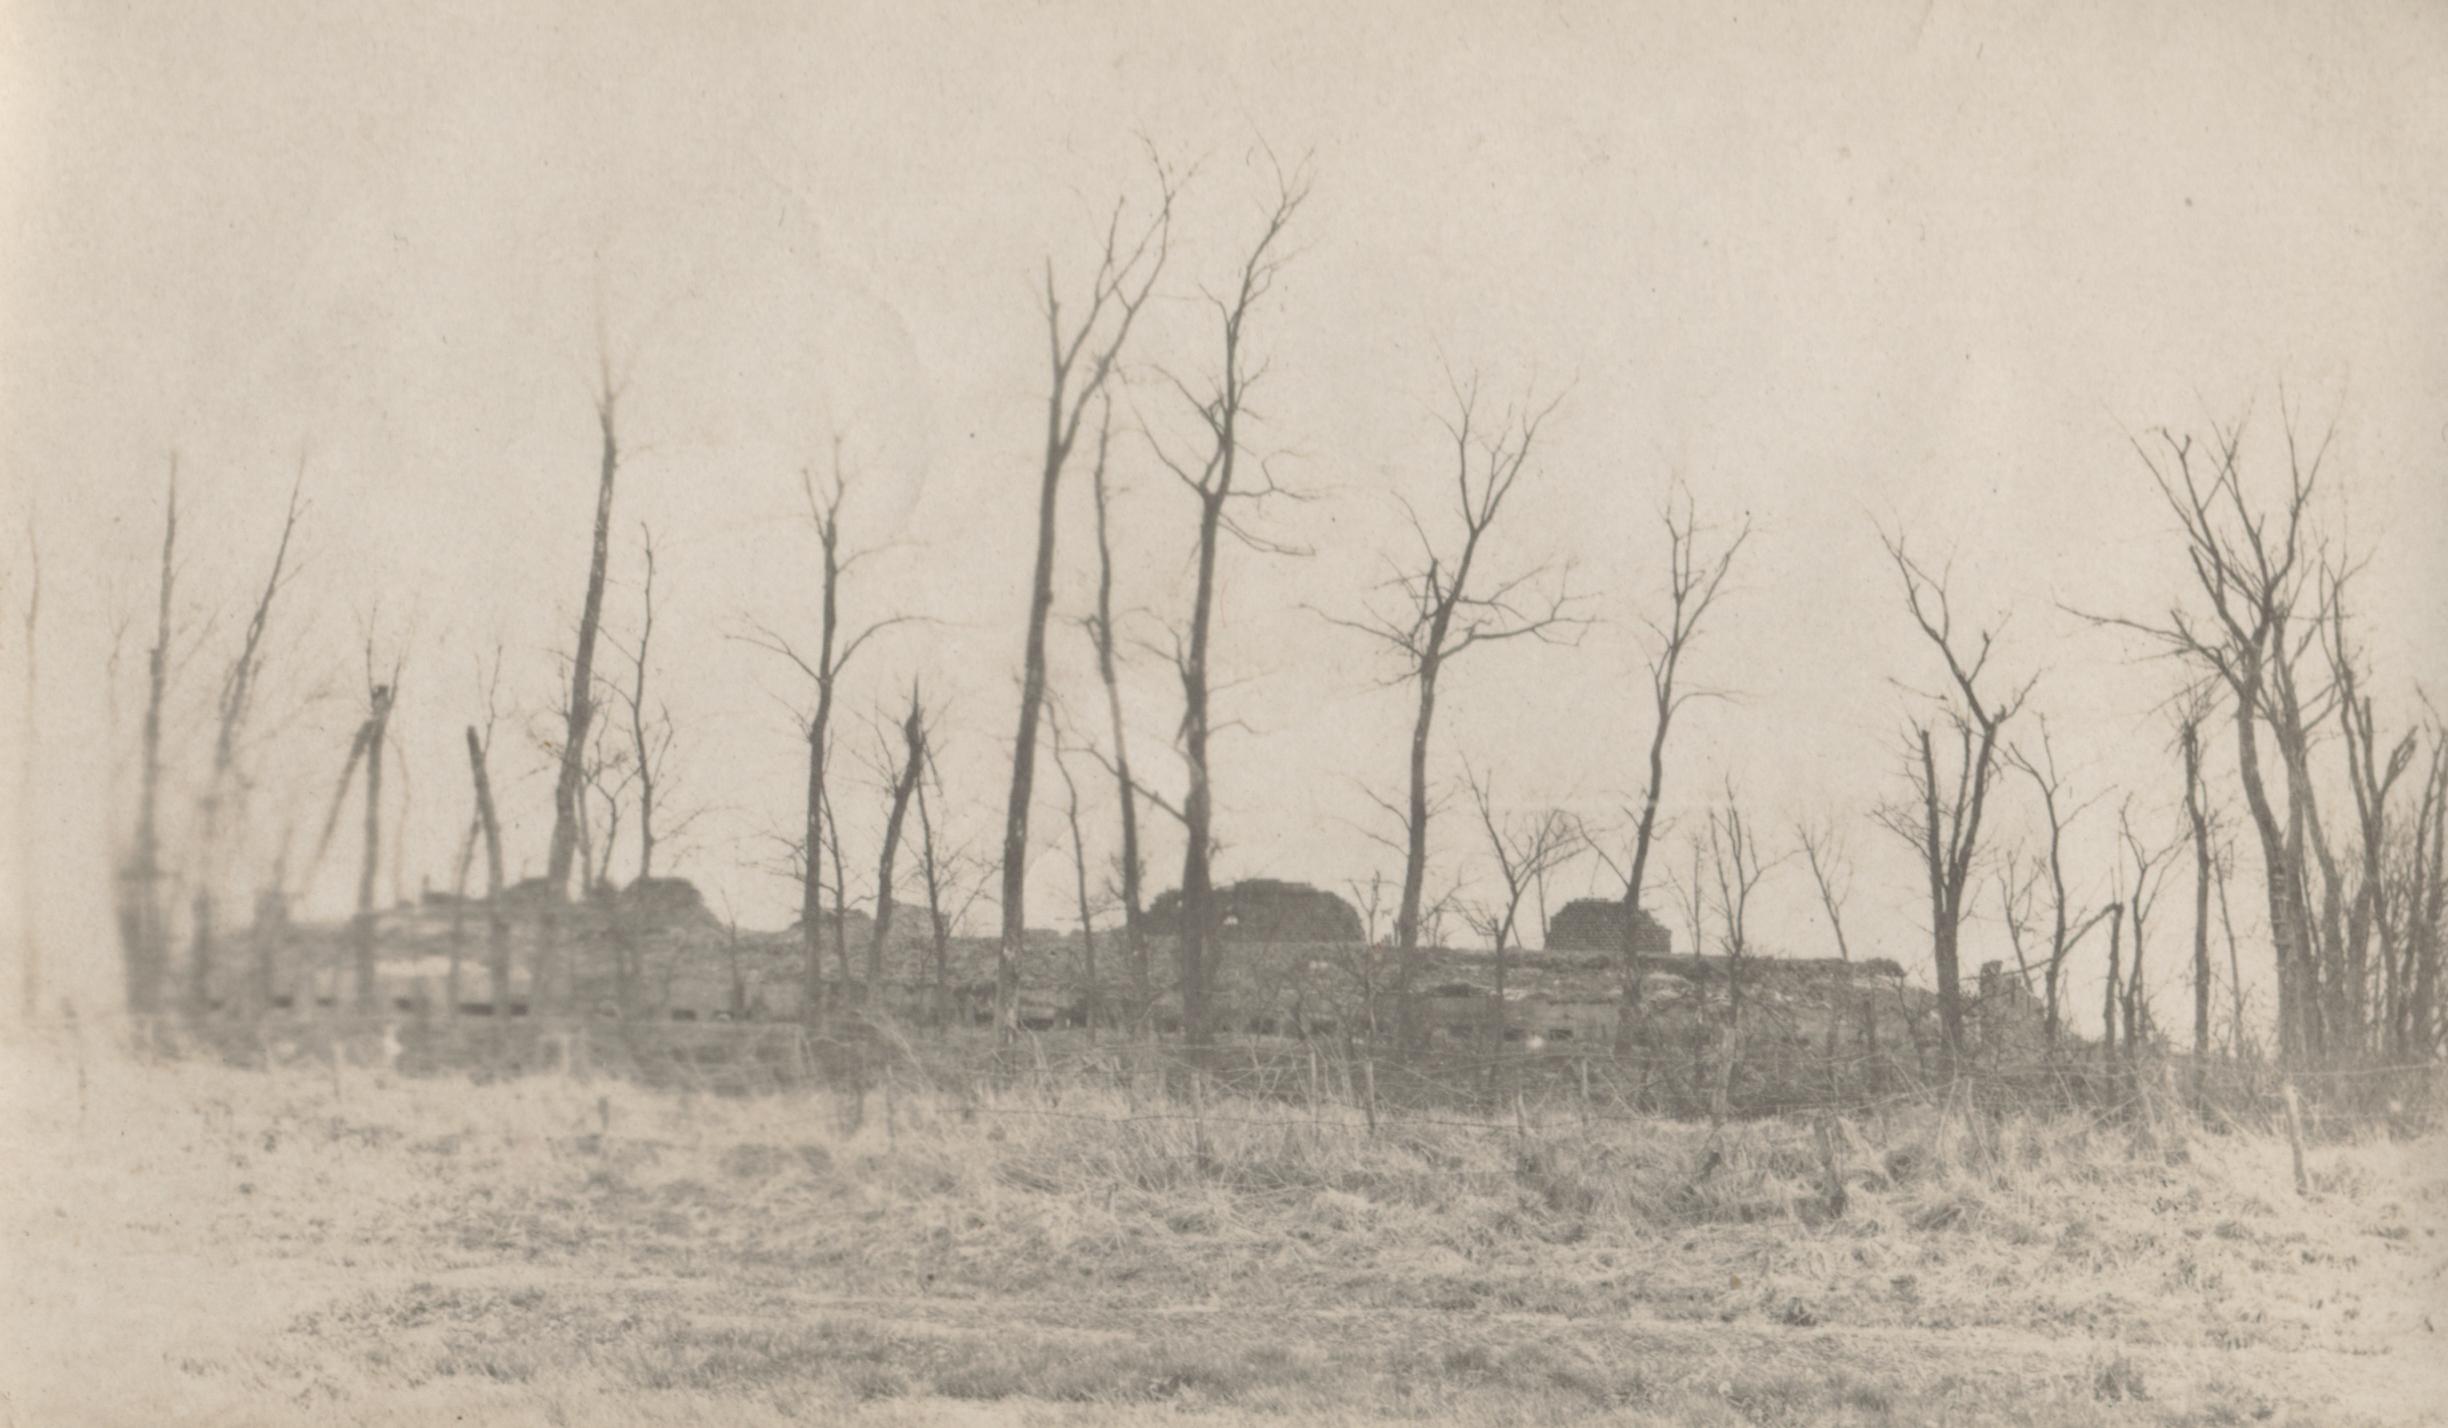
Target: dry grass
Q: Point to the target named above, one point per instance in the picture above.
(220, 1246)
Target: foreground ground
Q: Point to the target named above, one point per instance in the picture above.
(201, 1245)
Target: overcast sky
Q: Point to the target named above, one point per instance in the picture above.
(1927, 265)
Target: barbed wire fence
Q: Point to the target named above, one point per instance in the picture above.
(1325, 1085)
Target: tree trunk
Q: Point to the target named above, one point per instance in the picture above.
(451, 986)
(2200, 821)
(497, 927)
(913, 738)
(362, 939)
(1415, 852)
(841, 895)
(147, 956)
(938, 927)
(819, 801)
(1197, 891)
(2287, 926)
(811, 872)
(570, 788)
(2115, 984)
(1643, 835)
(1010, 944)
(1134, 933)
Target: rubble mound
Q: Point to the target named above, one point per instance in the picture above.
(1596, 924)
(1264, 910)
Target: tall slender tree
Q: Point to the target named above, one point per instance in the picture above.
(1131, 866)
(2191, 713)
(2145, 861)
(1524, 849)
(1214, 482)
(2252, 566)
(1943, 823)
(379, 702)
(833, 654)
(904, 787)
(1082, 357)
(234, 704)
(1437, 612)
(2068, 924)
(1693, 582)
(569, 787)
(143, 934)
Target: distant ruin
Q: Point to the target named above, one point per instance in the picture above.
(1596, 924)
(1264, 910)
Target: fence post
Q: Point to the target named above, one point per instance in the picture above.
(1368, 1071)
(1198, 1118)
(2294, 1125)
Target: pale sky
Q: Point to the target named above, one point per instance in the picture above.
(1920, 264)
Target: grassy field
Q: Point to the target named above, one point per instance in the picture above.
(189, 1243)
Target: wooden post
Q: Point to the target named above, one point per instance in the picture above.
(1198, 1118)
(2294, 1127)
(1368, 1071)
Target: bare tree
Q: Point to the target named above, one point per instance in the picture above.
(1943, 827)
(1081, 359)
(1831, 871)
(1091, 1001)
(1736, 871)
(1214, 482)
(2253, 567)
(1693, 582)
(569, 790)
(379, 701)
(650, 723)
(833, 655)
(610, 776)
(954, 879)
(482, 825)
(1436, 613)
(1131, 868)
(2416, 1027)
(2237, 1042)
(2191, 712)
(841, 891)
(2145, 863)
(2364, 972)
(2068, 925)
(143, 934)
(914, 745)
(1524, 848)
